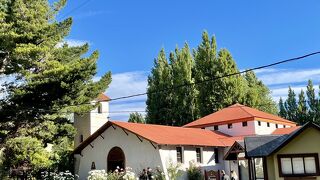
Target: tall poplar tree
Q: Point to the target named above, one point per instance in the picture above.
(312, 101)
(258, 95)
(183, 98)
(159, 100)
(205, 57)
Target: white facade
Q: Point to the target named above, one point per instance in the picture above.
(253, 127)
(140, 155)
(86, 124)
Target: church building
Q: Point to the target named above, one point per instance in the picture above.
(215, 142)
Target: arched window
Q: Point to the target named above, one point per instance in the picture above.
(116, 158)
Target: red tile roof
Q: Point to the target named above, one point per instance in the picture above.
(173, 135)
(165, 135)
(102, 97)
(281, 131)
(237, 113)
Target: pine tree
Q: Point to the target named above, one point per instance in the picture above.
(282, 109)
(312, 101)
(183, 101)
(302, 109)
(52, 79)
(159, 99)
(291, 105)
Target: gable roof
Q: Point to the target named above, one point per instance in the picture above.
(237, 113)
(260, 146)
(164, 135)
(281, 131)
(102, 97)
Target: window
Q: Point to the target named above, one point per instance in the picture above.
(298, 165)
(259, 168)
(268, 124)
(100, 108)
(216, 127)
(199, 157)
(93, 166)
(276, 125)
(244, 123)
(229, 126)
(81, 138)
(259, 123)
(179, 155)
(216, 155)
(284, 126)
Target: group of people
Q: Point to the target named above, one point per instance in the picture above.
(233, 175)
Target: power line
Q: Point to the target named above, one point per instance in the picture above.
(75, 9)
(219, 77)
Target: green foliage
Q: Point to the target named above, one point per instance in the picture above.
(173, 99)
(305, 110)
(194, 172)
(26, 149)
(51, 80)
(174, 171)
(136, 118)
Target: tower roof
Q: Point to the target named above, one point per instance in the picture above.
(237, 113)
(102, 97)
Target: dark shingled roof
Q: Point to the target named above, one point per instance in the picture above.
(260, 146)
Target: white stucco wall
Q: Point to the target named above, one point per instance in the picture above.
(138, 154)
(99, 119)
(237, 129)
(82, 125)
(264, 129)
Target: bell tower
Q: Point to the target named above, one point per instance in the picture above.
(88, 123)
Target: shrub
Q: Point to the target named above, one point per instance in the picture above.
(67, 175)
(174, 171)
(194, 172)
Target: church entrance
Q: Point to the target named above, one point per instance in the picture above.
(116, 158)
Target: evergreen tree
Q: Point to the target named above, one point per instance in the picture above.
(302, 116)
(136, 118)
(312, 101)
(183, 98)
(205, 57)
(282, 109)
(52, 79)
(291, 105)
(159, 99)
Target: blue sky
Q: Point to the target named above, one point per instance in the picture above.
(129, 34)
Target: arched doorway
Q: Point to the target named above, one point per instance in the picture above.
(115, 158)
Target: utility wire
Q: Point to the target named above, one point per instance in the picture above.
(75, 9)
(219, 77)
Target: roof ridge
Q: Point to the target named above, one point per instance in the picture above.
(246, 110)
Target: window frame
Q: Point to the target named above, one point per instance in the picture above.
(259, 123)
(304, 155)
(216, 127)
(200, 155)
(100, 108)
(245, 124)
(181, 154)
(216, 155)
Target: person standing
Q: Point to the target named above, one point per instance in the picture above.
(234, 175)
(224, 176)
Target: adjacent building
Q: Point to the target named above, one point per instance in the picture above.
(223, 140)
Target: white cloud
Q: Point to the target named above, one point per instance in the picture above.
(73, 42)
(124, 84)
(288, 76)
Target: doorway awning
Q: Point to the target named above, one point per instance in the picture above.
(236, 151)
